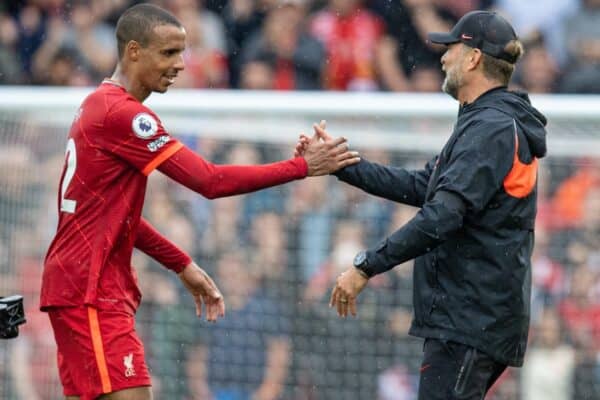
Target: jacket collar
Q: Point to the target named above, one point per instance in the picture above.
(467, 106)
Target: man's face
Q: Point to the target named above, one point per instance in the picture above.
(161, 60)
(452, 62)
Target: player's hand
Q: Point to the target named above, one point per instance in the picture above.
(325, 154)
(204, 290)
(348, 285)
(303, 141)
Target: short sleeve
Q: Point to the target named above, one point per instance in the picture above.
(478, 162)
(135, 134)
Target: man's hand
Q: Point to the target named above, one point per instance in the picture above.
(204, 291)
(303, 140)
(324, 154)
(348, 285)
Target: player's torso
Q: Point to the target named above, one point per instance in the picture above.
(100, 201)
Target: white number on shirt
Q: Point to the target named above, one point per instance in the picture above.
(67, 205)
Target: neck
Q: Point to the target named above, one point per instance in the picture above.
(124, 77)
(469, 93)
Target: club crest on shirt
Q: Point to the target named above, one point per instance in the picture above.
(144, 125)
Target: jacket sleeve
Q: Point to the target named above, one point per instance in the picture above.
(392, 183)
(433, 224)
(473, 174)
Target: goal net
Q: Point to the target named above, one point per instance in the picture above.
(276, 253)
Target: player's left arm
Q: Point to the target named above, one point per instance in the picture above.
(155, 245)
(200, 285)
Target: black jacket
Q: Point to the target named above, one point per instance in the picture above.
(473, 236)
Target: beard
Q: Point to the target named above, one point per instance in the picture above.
(452, 82)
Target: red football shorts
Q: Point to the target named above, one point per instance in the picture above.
(98, 351)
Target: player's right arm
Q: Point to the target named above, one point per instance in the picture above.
(213, 181)
(136, 135)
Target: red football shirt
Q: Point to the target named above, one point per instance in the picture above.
(114, 143)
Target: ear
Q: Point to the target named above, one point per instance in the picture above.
(474, 59)
(133, 50)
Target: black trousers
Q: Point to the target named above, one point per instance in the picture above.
(454, 371)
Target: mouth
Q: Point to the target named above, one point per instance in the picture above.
(170, 78)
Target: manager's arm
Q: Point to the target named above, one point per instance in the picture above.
(392, 183)
(433, 224)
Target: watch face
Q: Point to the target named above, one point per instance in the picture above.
(360, 258)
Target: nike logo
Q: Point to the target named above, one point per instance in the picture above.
(424, 367)
(466, 37)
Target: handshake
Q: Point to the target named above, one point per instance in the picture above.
(12, 315)
(323, 153)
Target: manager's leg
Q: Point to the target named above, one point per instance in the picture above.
(454, 371)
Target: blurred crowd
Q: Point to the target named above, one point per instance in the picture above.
(300, 44)
(275, 255)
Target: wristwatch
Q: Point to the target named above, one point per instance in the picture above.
(361, 264)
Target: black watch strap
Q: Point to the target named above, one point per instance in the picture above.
(361, 263)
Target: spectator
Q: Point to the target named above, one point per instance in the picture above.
(247, 355)
(242, 19)
(406, 49)
(312, 218)
(534, 22)
(582, 39)
(548, 371)
(569, 196)
(10, 66)
(257, 75)
(295, 58)
(341, 360)
(350, 34)
(539, 72)
(548, 276)
(205, 54)
(269, 256)
(581, 310)
(426, 79)
(89, 42)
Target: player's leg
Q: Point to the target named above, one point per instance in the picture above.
(453, 371)
(138, 393)
(72, 398)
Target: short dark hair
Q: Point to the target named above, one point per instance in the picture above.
(138, 23)
(501, 70)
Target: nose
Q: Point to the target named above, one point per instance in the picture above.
(180, 64)
(443, 58)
